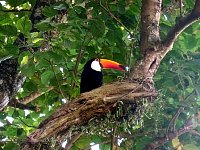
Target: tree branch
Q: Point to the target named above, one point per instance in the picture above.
(152, 49)
(73, 140)
(34, 95)
(17, 104)
(113, 17)
(94, 104)
(195, 132)
(180, 27)
(189, 127)
(113, 134)
(173, 120)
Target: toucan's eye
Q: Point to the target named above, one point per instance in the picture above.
(97, 59)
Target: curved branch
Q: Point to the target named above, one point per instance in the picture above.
(155, 144)
(189, 127)
(113, 17)
(180, 27)
(96, 103)
(152, 49)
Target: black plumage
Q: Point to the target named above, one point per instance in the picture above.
(90, 79)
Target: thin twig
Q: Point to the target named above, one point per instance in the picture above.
(78, 59)
(34, 95)
(73, 140)
(195, 132)
(176, 115)
(52, 67)
(181, 7)
(112, 146)
(162, 140)
(115, 18)
(15, 103)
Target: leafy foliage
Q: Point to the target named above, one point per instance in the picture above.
(109, 29)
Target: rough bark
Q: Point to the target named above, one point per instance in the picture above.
(10, 80)
(153, 50)
(149, 41)
(94, 104)
(101, 101)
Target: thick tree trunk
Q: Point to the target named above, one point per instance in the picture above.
(149, 42)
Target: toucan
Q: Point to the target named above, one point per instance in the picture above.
(92, 76)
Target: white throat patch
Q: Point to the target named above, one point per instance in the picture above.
(95, 65)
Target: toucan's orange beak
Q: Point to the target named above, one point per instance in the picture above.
(109, 64)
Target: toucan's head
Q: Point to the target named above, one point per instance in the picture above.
(92, 76)
(99, 64)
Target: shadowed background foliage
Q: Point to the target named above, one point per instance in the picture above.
(57, 43)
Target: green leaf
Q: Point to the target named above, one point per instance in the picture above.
(44, 26)
(29, 68)
(24, 25)
(27, 64)
(24, 60)
(49, 11)
(15, 114)
(11, 49)
(97, 139)
(198, 100)
(171, 101)
(46, 76)
(24, 57)
(60, 6)
(2, 115)
(72, 52)
(57, 59)
(15, 3)
(141, 142)
(105, 146)
(21, 113)
(10, 131)
(30, 86)
(5, 19)
(190, 147)
(8, 30)
(11, 146)
(80, 11)
(191, 42)
(97, 28)
(20, 132)
(83, 142)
